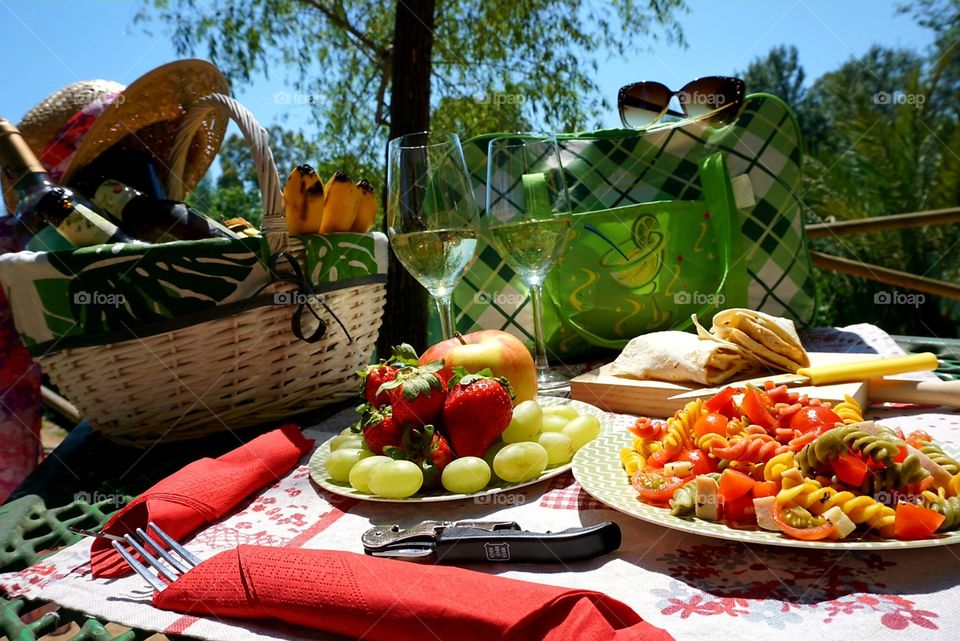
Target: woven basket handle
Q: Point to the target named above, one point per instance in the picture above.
(274, 222)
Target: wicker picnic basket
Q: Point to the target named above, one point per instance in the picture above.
(232, 372)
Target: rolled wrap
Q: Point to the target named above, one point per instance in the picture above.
(679, 357)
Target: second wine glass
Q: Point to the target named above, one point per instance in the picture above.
(528, 220)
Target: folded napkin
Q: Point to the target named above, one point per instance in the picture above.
(201, 493)
(383, 599)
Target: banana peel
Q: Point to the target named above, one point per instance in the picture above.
(339, 204)
(366, 208)
(303, 199)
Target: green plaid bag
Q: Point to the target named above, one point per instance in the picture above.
(608, 172)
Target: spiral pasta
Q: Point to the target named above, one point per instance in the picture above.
(751, 447)
(631, 460)
(948, 507)
(849, 410)
(777, 465)
(840, 440)
(817, 498)
(938, 456)
(798, 469)
(895, 476)
(679, 428)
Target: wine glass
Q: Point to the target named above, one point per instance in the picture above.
(528, 220)
(431, 213)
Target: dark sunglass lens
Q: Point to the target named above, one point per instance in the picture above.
(641, 104)
(714, 98)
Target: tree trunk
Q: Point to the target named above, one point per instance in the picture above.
(405, 318)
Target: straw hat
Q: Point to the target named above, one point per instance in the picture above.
(143, 116)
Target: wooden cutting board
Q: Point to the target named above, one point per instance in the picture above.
(652, 398)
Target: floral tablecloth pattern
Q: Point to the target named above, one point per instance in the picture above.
(694, 587)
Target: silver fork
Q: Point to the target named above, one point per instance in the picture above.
(170, 570)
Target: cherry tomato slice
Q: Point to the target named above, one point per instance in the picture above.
(850, 469)
(655, 486)
(914, 522)
(756, 410)
(702, 464)
(711, 423)
(814, 533)
(814, 418)
(722, 403)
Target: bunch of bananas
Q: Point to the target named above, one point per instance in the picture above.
(341, 205)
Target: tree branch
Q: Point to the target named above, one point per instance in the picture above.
(342, 22)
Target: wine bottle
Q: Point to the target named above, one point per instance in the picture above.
(152, 219)
(131, 167)
(41, 202)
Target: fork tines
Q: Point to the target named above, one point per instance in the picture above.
(164, 562)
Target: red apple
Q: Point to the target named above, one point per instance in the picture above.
(503, 353)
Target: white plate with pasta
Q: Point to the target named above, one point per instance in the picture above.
(598, 469)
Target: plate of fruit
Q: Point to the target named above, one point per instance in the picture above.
(454, 427)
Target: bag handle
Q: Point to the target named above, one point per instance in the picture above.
(718, 194)
(274, 222)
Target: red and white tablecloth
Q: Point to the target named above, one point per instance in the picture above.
(694, 587)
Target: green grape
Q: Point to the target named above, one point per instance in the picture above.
(553, 422)
(351, 440)
(466, 475)
(341, 461)
(490, 454)
(525, 424)
(558, 446)
(395, 479)
(582, 430)
(359, 475)
(519, 462)
(565, 410)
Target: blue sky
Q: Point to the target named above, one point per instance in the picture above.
(50, 43)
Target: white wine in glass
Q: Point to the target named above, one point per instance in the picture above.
(431, 214)
(528, 221)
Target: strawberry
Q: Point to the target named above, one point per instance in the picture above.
(477, 410)
(416, 394)
(374, 376)
(426, 447)
(380, 430)
(440, 455)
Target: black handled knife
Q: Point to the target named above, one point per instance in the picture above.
(489, 541)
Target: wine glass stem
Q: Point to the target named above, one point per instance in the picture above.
(446, 316)
(536, 299)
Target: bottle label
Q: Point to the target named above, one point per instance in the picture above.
(113, 196)
(84, 227)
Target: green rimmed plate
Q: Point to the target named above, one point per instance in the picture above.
(318, 468)
(597, 468)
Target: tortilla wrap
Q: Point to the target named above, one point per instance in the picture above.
(769, 340)
(682, 357)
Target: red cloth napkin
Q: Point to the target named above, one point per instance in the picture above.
(382, 599)
(201, 493)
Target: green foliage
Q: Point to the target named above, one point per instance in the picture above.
(882, 138)
(531, 63)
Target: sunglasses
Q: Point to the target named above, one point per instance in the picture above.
(715, 99)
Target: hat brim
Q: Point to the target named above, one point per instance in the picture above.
(146, 115)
